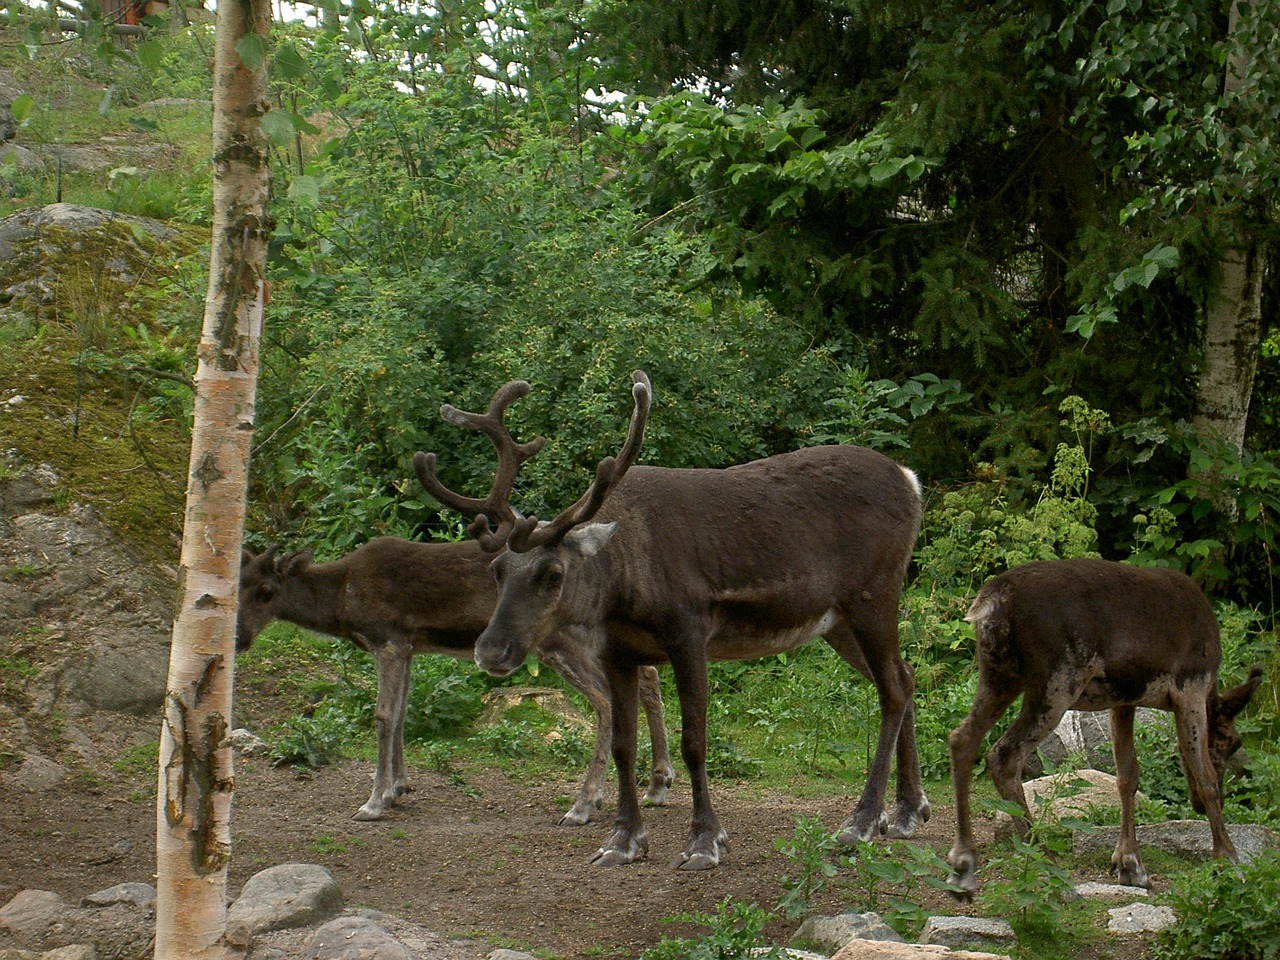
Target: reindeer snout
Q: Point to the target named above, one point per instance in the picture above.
(496, 657)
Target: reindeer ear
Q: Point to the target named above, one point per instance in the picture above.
(295, 563)
(1237, 698)
(587, 541)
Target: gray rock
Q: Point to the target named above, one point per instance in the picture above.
(36, 773)
(1140, 918)
(831, 933)
(82, 582)
(968, 932)
(888, 950)
(139, 894)
(74, 951)
(248, 744)
(1081, 736)
(32, 912)
(1109, 891)
(1188, 839)
(355, 938)
(504, 954)
(288, 895)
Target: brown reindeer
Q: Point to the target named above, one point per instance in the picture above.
(395, 598)
(686, 566)
(1096, 635)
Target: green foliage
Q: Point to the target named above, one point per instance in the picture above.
(1225, 912)
(312, 741)
(1034, 890)
(866, 411)
(812, 849)
(735, 933)
(886, 878)
(444, 697)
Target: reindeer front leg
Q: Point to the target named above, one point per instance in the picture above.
(628, 842)
(708, 841)
(989, 705)
(391, 779)
(586, 676)
(1190, 716)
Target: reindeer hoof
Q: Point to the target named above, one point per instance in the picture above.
(1130, 872)
(698, 861)
(858, 829)
(656, 795)
(620, 850)
(579, 814)
(704, 853)
(905, 821)
(962, 887)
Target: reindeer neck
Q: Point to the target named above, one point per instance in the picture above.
(314, 598)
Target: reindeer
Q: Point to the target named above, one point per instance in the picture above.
(1096, 635)
(683, 566)
(395, 598)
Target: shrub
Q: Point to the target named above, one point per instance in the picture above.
(1226, 912)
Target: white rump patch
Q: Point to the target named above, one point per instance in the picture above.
(913, 480)
(980, 610)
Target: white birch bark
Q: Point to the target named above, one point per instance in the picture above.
(196, 778)
(1232, 309)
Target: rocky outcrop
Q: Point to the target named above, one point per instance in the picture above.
(84, 624)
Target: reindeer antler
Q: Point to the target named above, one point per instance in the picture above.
(527, 534)
(510, 456)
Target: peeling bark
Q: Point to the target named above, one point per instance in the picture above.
(1233, 310)
(196, 775)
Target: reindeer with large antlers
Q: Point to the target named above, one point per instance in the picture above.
(683, 566)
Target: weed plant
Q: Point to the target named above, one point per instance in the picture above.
(735, 932)
(1225, 912)
(812, 848)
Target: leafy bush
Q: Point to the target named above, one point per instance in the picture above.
(886, 878)
(812, 848)
(445, 697)
(312, 741)
(736, 933)
(1225, 912)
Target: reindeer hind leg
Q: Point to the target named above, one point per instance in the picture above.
(664, 773)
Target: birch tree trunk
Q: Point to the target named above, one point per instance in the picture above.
(1233, 304)
(196, 779)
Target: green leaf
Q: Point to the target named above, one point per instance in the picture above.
(31, 40)
(886, 169)
(289, 62)
(305, 188)
(252, 50)
(775, 139)
(811, 136)
(279, 127)
(150, 54)
(21, 108)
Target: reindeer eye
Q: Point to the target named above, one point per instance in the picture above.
(551, 577)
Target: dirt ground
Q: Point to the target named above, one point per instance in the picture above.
(471, 853)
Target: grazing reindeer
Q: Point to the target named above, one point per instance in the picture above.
(683, 566)
(395, 598)
(1096, 635)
